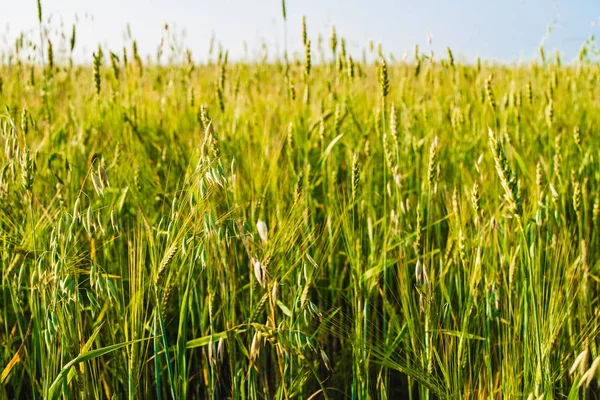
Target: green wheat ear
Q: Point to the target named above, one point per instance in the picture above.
(39, 10)
(299, 187)
(28, 167)
(450, 57)
(394, 126)
(577, 199)
(114, 60)
(307, 59)
(542, 54)
(350, 67)
(333, 42)
(433, 164)
(304, 32)
(25, 121)
(489, 92)
(355, 177)
(97, 77)
(529, 91)
(577, 136)
(550, 113)
(507, 178)
(72, 41)
(50, 56)
(384, 83)
(476, 203)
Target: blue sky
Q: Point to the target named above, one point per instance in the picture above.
(503, 30)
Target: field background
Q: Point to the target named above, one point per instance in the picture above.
(418, 228)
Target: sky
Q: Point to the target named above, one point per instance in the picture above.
(500, 30)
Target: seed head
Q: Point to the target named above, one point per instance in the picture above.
(507, 178)
(577, 136)
(307, 63)
(450, 57)
(387, 148)
(350, 67)
(73, 38)
(433, 163)
(462, 248)
(304, 34)
(550, 113)
(290, 136)
(97, 79)
(394, 126)
(114, 61)
(50, 56)
(384, 82)
(417, 243)
(261, 227)
(355, 177)
(204, 116)
(476, 202)
(490, 93)
(27, 170)
(539, 177)
(529, 91)
(577, 199)
(39, 10)
(25, 121)
(292, 90)
(260, 272)
(337, 119)
(333, 41)
(222, 77)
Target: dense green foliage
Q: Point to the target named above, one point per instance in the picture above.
(286, 230)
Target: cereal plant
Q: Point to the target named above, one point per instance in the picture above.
(346, 228)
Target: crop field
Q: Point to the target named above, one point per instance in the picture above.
(321, 226)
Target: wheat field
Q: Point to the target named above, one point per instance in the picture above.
(373, 228)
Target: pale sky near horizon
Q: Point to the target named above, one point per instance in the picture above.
(508, 30)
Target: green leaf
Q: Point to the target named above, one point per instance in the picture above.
(205, 340)
(329, 147)
(86, 347)
(53, 392)
(459, 334)
(121, 201)
(284, 308)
